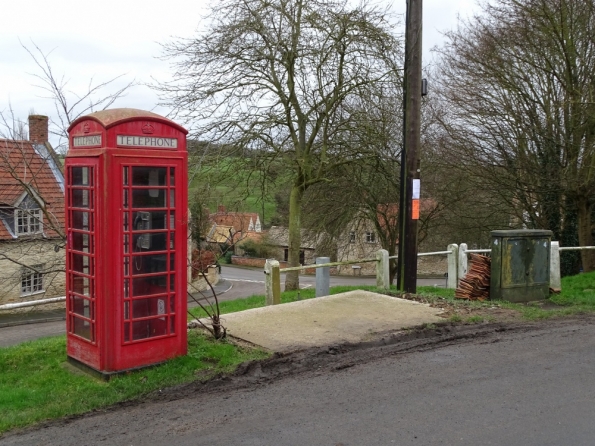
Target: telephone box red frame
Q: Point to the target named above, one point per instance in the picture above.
(126, 255)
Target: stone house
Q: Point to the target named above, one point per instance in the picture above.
(32, 260)
(278, 237)
(360, 240)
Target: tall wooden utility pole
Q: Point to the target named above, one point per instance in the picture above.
(408, 213)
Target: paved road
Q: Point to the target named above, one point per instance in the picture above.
(529, 387)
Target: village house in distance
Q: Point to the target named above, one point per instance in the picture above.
(32, 260)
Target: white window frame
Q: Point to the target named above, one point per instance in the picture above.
(351, 236)
(370, 237)
(28, 221)
(32, 280)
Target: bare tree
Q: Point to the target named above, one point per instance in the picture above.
(517, 83)
(32, 197)
(31, 214)
(69, 104)
(271, 76)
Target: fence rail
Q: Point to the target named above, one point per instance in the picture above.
(457, 257)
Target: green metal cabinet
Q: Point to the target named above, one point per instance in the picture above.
(520, 265)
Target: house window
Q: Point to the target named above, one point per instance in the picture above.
(28, 221)
(352, 237)
(32, 280)
(370, 237)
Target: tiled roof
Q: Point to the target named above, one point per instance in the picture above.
(23, 164)
(240, 221)
(221, 234)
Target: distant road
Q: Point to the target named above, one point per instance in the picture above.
(256, 276)
(236, 283)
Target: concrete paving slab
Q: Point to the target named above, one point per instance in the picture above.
(347, 317)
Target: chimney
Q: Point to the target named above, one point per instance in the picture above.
(38, 129)
(221, 209)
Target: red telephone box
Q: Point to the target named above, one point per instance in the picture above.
(126, 255)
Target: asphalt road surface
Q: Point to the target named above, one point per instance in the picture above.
(523, 384)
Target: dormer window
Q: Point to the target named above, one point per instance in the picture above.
(28, 221)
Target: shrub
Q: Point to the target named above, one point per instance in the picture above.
(201, 260)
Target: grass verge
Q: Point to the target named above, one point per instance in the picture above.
(35, 385)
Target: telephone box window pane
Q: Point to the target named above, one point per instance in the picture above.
(81, 242)
(81, 198)
(82, 328)
(83, 307)
(81, 264)
(149, 176)
(148, 264)
(172, 304)
(149, 328)
(148, 307)
(172, 262)
(125, 175)
(126, 266)
(172, 220)
(172, 198)
(126, 243)
(127, 310)
(148, 198)
(125, 198)
(172, 240)
(126, 287)
(172, 282)
(81, 220)
(149, 242)
(144, 221)
(172, 176)
(81, 176)
(146, 286)
(125, 222)
(81, 285)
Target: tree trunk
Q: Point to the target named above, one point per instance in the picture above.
(292, 280)
(585, 235)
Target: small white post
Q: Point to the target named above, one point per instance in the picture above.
(382, 270)
(323, 277)
(463, 262)
(453, 260)
(555, 280)
(272, 282)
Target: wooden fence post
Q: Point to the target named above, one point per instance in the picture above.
(463, 262)
(555, 277)
(453, 261)
(272, 282)
(382, 271)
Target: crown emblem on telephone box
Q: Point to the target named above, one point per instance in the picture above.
(147, 128)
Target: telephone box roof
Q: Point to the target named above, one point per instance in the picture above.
(114, 116)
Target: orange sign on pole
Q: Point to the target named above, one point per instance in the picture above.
(415, 209)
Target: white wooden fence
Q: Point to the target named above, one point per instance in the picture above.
(457, 260)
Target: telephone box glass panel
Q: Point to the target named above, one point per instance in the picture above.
(80, 251)
(147, 219)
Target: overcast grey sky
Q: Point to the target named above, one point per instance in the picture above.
(101, 40)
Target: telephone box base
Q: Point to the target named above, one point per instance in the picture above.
(106, 376)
